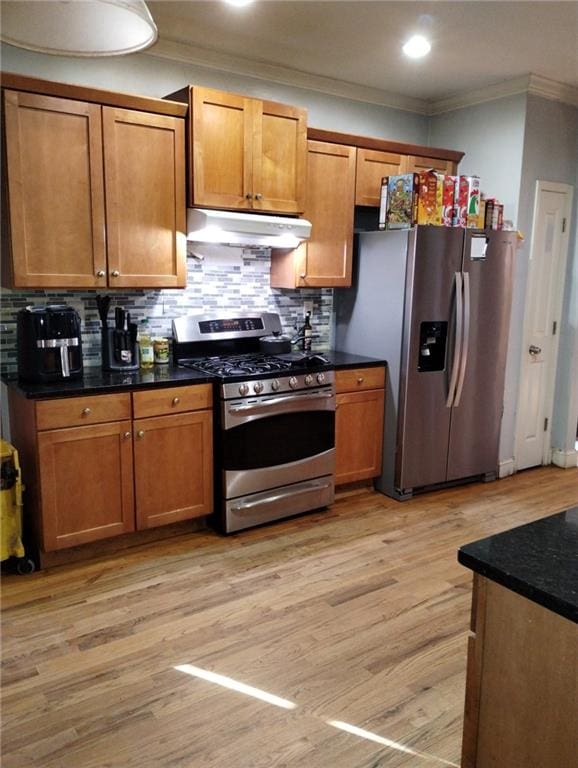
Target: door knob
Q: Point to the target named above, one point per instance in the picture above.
(249, 196)
(115, 273)
(126, 435)
(140, 433)
(258, 196)
(533, 350)
(100, 273)
(176, 400)
(86, 411)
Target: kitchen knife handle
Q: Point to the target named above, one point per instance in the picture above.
(465, 339)
(457, 340)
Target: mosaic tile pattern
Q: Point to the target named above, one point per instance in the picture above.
(234, 284)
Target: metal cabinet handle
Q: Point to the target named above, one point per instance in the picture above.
(360, 379)
(249, 196)
(303, 275)
(534, 350)
(126, 435)
(115, 273)
(86, 411)
(176, 400)
(100, 273)
(140, 433)
(258, 196)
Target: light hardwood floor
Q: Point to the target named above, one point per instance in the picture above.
(356, 616)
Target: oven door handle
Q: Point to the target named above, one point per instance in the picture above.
(275, 401)
(280, 496)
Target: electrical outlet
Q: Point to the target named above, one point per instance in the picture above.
(308, 307)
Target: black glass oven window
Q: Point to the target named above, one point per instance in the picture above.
(278, 440)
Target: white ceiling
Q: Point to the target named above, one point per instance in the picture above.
(474, 44)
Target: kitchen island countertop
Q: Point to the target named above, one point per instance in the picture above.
(538, 560)
(96, 381)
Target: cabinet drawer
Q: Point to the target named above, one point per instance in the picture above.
(359, 378)
(79, 411)
(158, 402)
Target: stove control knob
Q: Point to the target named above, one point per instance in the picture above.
(243, 389)
(320, 378)
(293, 383)
(308, 380)
(275, 385)
(258, 387)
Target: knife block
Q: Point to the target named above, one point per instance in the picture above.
(110, 359)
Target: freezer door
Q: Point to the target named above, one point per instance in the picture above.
(477, 412)
(435, 256)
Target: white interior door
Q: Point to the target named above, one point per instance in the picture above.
(547, 267)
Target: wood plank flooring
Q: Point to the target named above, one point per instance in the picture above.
(356, 617)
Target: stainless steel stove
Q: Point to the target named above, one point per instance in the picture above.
(275, 419)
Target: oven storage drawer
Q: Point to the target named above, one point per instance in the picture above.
(277, 503)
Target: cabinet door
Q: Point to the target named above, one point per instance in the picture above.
(86, 482)
(326, 258)
(279, 157)
(55, 190)
(222, 130)
(358, 435)
(144, 156)
(414, 163)
(173, 468)
(372, 166)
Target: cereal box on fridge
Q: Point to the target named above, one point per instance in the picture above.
(402, 201)
(427, 203)
(439, 199)
(450, 184)
(473, 201)
(383, 203)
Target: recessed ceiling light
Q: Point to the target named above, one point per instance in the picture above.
(239, 3)
(416, 47)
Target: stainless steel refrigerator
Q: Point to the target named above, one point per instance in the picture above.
(435, 303)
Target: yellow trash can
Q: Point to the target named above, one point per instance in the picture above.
(11, 509)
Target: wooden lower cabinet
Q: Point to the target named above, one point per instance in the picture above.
(86, 484)
(173, 464)
(359, 424)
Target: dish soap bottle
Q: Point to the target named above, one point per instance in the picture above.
(145, 344)
(307, 333)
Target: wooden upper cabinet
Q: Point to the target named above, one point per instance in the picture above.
(55, 192)
(222, 127)
(246, 154)
(145, 199)
(372, 166)
(415, 163)
(279, 157)
(326, 259)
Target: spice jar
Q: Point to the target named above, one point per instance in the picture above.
(161, 350)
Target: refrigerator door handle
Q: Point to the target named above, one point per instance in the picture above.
(466, 339)
(457, 340)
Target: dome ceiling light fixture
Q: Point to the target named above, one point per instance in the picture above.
(78, 27)
(416, 47)
(239, 3)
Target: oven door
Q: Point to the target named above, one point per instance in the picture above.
(270, 442)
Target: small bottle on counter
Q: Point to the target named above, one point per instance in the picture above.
(307, 333)
(145, 344)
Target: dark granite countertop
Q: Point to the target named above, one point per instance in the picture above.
(538, 560)
(95, 381)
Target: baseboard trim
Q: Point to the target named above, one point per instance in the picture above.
(506, 468)
(565, 459)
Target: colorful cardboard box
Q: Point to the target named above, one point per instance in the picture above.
(402, 196)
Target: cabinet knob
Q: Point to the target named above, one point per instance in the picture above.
(176, 400)
(303, 275)
(115, 273)
(126, 435)
(258, 196)
(140, 433)
(360, 379)
(100, 273)
(249, 196)
(86, 411)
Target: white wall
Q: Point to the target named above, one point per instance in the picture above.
(150, 76)
(491, 134)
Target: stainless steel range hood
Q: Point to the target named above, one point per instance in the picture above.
(245, 230)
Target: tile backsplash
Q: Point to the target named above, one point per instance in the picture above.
(233, 281)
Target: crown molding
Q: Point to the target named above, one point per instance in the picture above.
(551, 89)
(174, 50)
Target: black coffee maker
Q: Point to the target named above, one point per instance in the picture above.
(49, 342)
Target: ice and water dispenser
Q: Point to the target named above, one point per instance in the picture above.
(432, 346)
